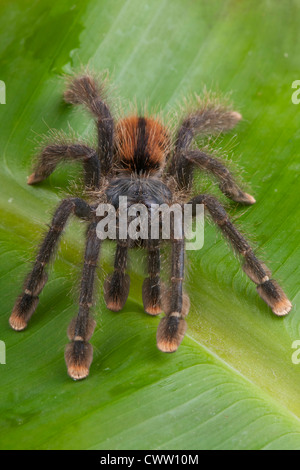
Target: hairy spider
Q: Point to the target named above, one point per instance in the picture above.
(135, 158)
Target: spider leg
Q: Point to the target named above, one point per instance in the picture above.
(210, 119)
(175, 303)
(27, 302)
(79, 353)
(191, 158)
(116, 285)
(52, 154)
(151, 285)
(267, 288)
(85, 90)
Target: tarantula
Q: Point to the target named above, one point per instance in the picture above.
(135, 158)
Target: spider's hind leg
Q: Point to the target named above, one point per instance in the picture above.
(53, 154)
(210, 118)
(84, 89)
(186, 162)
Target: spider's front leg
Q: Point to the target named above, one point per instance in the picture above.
(175, 302)
(267, 288)
(79, 353)
(116, 285)
(151, 285)
(27, 302)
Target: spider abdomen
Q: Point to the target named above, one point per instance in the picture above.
(142, 144)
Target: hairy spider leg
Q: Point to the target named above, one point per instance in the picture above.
(151, 291)
(84, 90)
(116, 285)
(267, 288)
(27, 302)
(209, 120)
(192, 158)
(53, 154)
(172, 327)
(79, 353)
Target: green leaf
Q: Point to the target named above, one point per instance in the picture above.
(232, 383)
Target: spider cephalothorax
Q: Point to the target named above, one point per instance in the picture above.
(136, 159)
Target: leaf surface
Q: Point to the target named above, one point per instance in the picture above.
(232, 383)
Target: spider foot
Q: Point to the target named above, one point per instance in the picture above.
(34, 178)
(116, 290)
(78, 357)
(232, 191)
(274, 296)
(170, 332)
(151, 297)
(27, 303)
(245, 198)
(24, 308)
